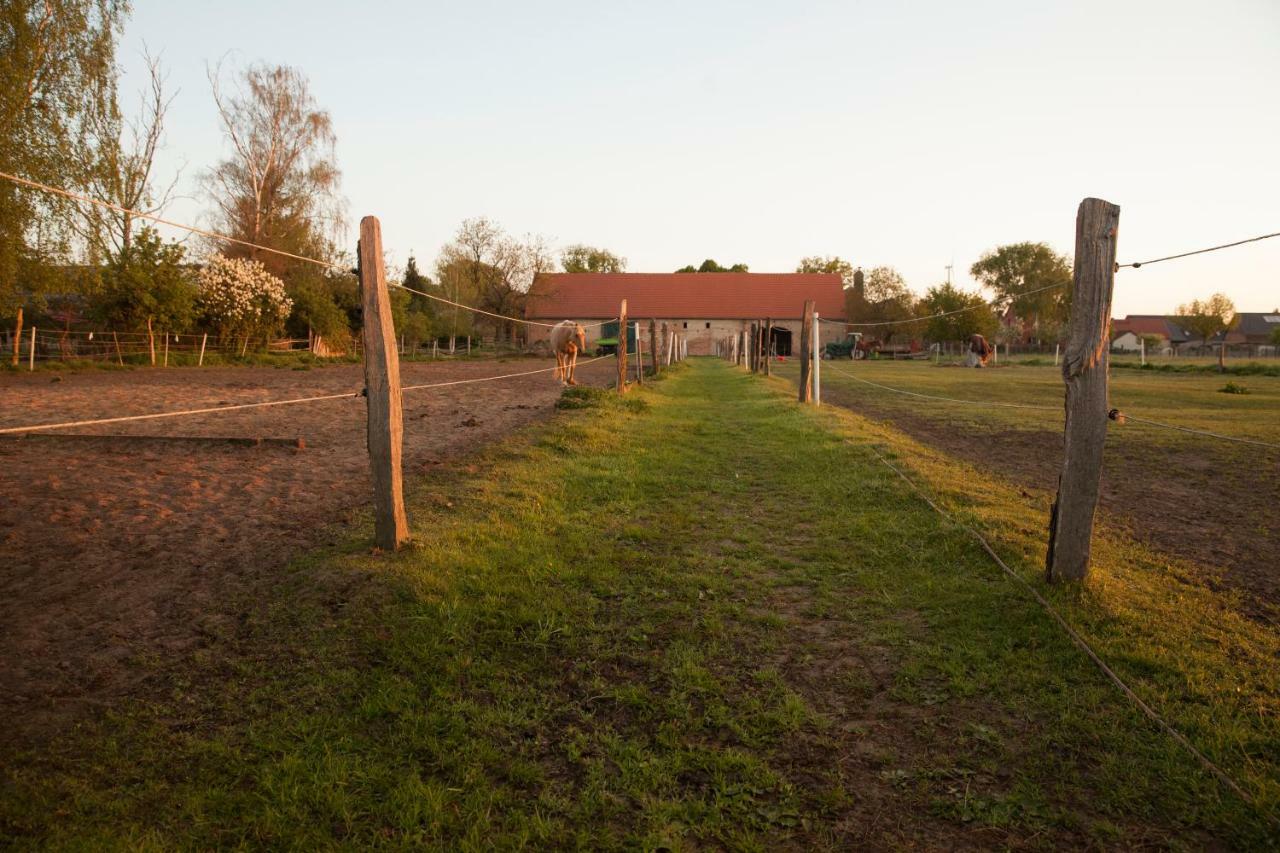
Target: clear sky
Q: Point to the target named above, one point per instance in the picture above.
(912, 134)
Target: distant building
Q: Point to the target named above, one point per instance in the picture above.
(704, 307)
(1126, 334)
(1251, 335)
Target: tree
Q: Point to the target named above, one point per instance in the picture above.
(485, 267)
(711, 266)
(830, 264)
(1209, 318)
(56, 61)
(241, 299)
(279, 187)
(1275, 335)
(973, 315)
(883, 301)
(1013, 272)
(146, 286)
(119, 159)
(583, 258)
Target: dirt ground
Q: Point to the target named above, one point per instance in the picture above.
(115, 551)
(1193, 501)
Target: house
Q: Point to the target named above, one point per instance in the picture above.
(1127, 334)
(1251, 335)
(704, 307)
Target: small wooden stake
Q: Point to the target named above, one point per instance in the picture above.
(119, 355)
(204, 339)
(806, 352)
(166, 350)
(382, 388)
(768, 346)
(151, 341)
(639, 354)
(31, 354)
(1084, 370)
(622, 347)
(653, 344)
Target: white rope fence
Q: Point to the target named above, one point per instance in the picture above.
(241, 406)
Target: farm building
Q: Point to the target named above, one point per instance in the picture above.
(704, 307)
(1251, 335)
(1126, 334)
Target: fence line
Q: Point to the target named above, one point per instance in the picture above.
(1076, 638)
(289, 402)
(1136, 264)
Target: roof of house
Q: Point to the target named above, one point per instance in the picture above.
(722, 296)
(1150, 324)
(1258, 324)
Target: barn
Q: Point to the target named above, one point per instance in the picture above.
(704, 307)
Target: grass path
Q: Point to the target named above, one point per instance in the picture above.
(701, 616)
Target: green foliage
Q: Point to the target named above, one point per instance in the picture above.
(1233, 388)
(1208, 317)
(979, 319)
(710, 265)
(885, 300)
(1015, 270)
(830, 264)
(583, 258)
(56, 65)
(316, 308)
(146, 285)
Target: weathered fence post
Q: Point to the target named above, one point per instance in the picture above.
(817, 359)
(17, 339)
(622, 347)
(382, 388)
(639, 354)
(653, 344)
(806, 351)
(768, 346)
(203, 340)
(1084, 370)
(31, 354)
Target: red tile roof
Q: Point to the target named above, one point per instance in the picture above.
(706, 295)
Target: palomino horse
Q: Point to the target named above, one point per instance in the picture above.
(567, 340)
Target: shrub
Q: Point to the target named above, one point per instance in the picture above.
(1233, 388)
(241, 299)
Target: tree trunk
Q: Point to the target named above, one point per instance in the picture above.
(17, 338)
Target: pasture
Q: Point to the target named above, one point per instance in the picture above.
(696, 616)
(1208, 505)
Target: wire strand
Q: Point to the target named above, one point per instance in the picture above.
(240, 406)
(491, 314)
(151, 216)
(1136, 264)
(1077, 638)
(1218, 435)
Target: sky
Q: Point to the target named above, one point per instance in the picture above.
(908, 134)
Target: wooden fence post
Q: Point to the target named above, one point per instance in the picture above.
(382, 388)
(639, 354)
(622, 347)
(31, 354)
(806, 351)
(151, 342)
(203, 340)
(768, 346)
(17, 339)
(817, 359)
(1084, 370)
(653, 344)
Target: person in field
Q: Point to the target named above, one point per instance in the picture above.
(567, 340)
(980, 351)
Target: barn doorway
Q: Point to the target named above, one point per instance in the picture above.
(780, 339)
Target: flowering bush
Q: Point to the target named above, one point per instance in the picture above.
(242, 299)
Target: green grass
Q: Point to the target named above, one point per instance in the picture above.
(1184, 399)
(697, 616)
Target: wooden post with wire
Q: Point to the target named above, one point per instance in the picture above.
(622, 347)
(1084, 370)
(382, 388)
(204, 339)
(653, 344)
(817, 359)
(639, 354)
(806, 352)
(31, 354)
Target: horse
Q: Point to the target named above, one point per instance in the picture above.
(567, 340)
(980, 351)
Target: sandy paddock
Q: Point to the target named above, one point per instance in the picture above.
(115, 548)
